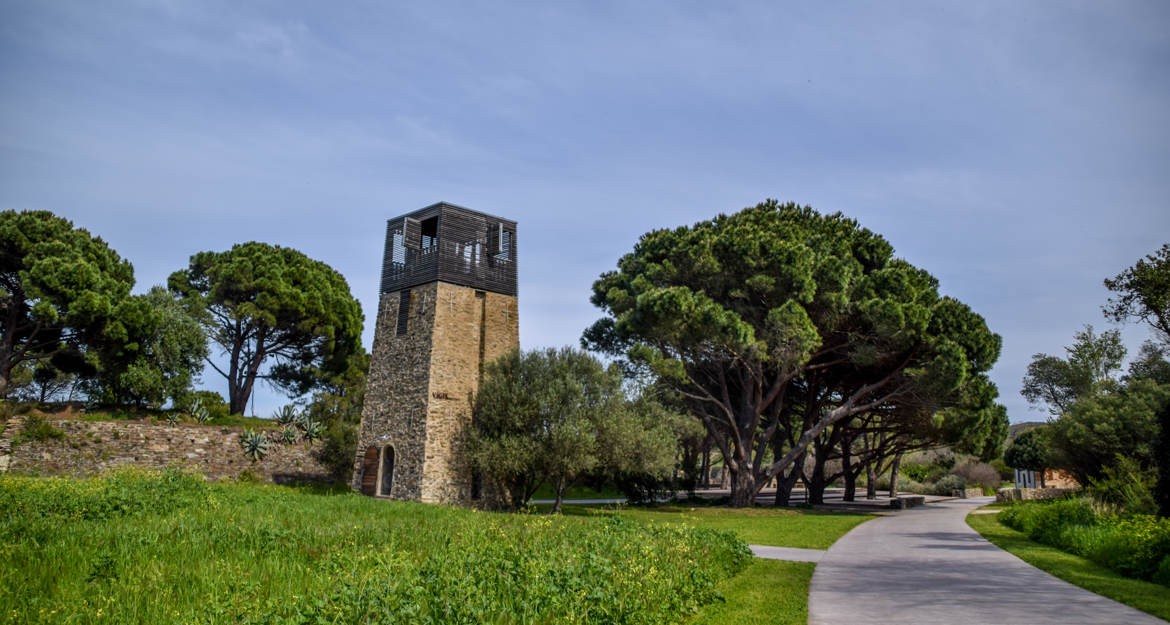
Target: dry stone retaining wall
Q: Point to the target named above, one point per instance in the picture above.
(1027, 494)
(91, 447)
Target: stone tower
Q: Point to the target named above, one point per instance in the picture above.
(447, 306)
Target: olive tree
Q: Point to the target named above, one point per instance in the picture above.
(554, 415)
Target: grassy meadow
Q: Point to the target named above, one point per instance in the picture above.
(806, 529)
(133, 547)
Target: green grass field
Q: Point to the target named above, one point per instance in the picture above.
(1145, 596)
(807, 529)
(579, 492)
(768, 592)
(133, 548)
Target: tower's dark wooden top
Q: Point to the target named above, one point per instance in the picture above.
(449, 243)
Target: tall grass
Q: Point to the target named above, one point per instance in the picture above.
(143, 548)
(1135, 545)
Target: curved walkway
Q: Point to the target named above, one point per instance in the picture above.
(926, 565)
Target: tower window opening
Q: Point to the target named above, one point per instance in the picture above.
(403, 311)
(430, 232)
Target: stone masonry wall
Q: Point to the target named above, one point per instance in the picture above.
(422, 384)
(394, 411)
(91, 447)
(469, 330)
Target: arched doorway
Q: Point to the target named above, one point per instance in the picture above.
(386, 473)
(370, 471)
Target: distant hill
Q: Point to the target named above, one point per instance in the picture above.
(1015, 429)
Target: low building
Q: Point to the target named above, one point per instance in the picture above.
(1052, 479)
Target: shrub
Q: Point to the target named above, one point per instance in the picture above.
(255, 444)
(1006, 473)
(948, 484)
(1163, 575)
(37, 428)
(199, 412)
(978, 474)
(286, 414)
(311, 430)
(916, 487)
(1134, 545)
(337, 451)
(1126, 487)
(918, 472)
(288, 435)
(643, 488)
(210, 399)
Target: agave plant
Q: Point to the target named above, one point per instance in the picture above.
(199, 411)
(312, 430)
(255, 444)
(288, 435)
(286, 414)
(172, 418)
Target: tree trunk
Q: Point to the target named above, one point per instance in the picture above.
(743, 488)
(1042, 479)
(847, 469)
(870, 480)
(785, 483)
(894, 475)
(562, 486)
(705, 470)
(816, 487)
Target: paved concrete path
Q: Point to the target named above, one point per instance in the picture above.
(926, 565)
(792, 554)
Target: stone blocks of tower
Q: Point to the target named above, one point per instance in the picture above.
(433, 336)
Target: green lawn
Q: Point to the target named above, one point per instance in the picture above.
(579, 492)
(134, 547)
(1145, 596)
(808, 529)
(768, 592)
(137, 548)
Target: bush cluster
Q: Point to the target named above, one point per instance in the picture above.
(978, 474)
(939, 473)
(37, 428)
(947, 484)
(1136, 545)
(246, 553)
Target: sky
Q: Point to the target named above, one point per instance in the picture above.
(1018, 151)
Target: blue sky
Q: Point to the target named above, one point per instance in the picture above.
(1020, 152)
